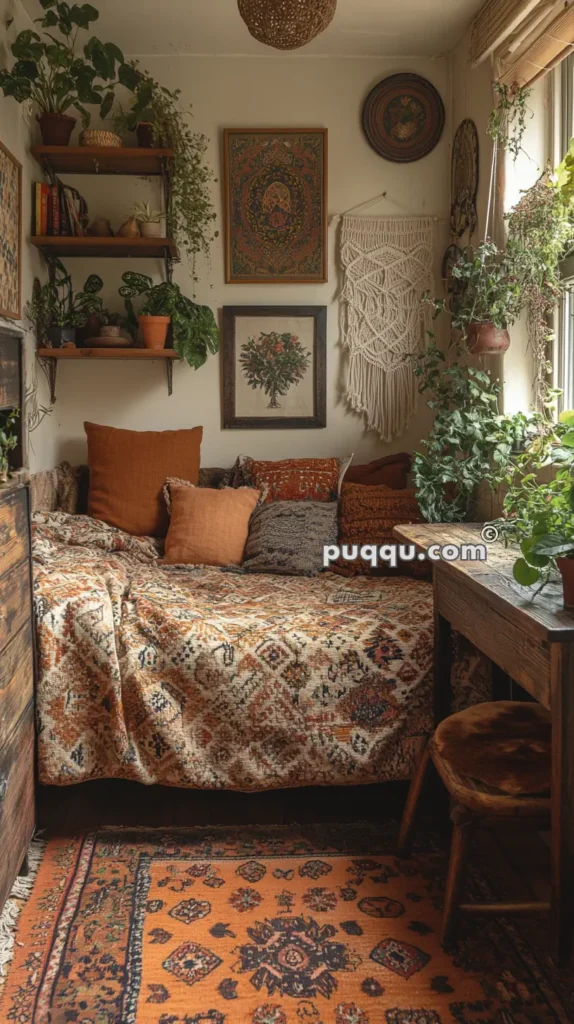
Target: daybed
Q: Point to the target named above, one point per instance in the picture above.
(214, 679)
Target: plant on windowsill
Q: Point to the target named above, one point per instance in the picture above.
(190, 213)
(8, 441)
(55, 76)
(194, 330)
(56, 312)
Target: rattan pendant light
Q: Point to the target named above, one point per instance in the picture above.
(286, 24)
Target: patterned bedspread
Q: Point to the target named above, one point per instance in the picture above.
(198, 677)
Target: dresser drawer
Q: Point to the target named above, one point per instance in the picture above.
(16, 681)
(14, 540)
(16, 800)
(15, 607)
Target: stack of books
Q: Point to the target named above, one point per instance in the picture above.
(58, 210)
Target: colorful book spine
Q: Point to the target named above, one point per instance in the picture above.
(65, 226)
(38, 208)
(45, 194)
(55, 209)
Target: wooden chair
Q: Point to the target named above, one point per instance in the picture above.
(495, 762)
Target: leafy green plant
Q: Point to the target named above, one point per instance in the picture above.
(486, 288)
(507, 122)
(470, 442)
(274, 362)
(50, 71)
(8, 441)
(195, 332)
(538, 512)
(55, 304)
(190, 213)
(110, 318)
(145, 213)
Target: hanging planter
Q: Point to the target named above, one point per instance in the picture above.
(286, 24)
(486, 339)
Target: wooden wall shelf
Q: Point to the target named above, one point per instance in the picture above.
(50, 357)
(88, 245)
(101, 159)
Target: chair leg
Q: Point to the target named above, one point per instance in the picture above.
(408, 821)
(459, 848)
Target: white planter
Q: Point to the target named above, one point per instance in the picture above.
(149, 230)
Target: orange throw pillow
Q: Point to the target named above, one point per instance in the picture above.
(128, 469)
(208, 527)
(296, 479)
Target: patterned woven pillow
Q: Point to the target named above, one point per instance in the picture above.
(287, 537)
(292, 479)
(368, 515)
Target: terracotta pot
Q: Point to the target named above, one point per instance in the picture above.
(154, 330)
(148, 229)
(144, 132)
(485, 339)
(566, 566)
(56, 128)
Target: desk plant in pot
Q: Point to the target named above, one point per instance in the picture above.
(539, 509)
(52, 73)
(194, 330)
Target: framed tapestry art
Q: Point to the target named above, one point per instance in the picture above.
(275, 205)
(273, 365)
(10, 234)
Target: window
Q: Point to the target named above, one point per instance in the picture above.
(563, 356)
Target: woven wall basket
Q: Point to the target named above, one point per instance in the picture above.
(286, 24)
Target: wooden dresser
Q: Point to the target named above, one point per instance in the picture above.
(16, 649)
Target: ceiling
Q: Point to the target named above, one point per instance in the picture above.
(360, 27)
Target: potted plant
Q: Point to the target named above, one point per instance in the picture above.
(8, 441)
(112, 324)
(53, 74)
(189, 212)
(487, 298)
(56, 311)
(538, 514)
(470, 442)
(148, 220)
(194, 330)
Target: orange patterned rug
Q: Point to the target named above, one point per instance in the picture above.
(319, 925)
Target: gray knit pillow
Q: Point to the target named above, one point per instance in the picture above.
(287, 537)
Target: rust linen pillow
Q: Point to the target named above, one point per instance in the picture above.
(296, 479)
(208, 527)
(367, 515)
(128, 469)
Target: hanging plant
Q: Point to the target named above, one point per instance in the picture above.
(507, 122)
(190, 214)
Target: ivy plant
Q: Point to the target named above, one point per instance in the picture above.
(508, 121)
(195, 332)
(50, 71)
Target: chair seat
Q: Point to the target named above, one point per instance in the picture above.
(501, 748)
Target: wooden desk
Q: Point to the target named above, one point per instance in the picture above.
(531, 638)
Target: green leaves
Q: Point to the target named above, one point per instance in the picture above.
(525, 574)
(27, 46)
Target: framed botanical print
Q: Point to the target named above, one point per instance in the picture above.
(10, 235)
(274, 369)
(275, 205)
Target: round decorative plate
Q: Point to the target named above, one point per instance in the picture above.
(403, 118)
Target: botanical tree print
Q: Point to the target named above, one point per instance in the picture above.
(274, 363)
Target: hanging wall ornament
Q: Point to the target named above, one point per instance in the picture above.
(286, 24)
(464, 179)
(403, 118)
(387, 266)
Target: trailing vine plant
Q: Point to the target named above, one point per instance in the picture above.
(507, 122)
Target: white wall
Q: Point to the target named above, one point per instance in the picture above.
(15, 134)
(248, 92)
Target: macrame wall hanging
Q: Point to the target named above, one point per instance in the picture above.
(387, 268)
